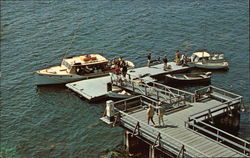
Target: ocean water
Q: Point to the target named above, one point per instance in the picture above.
(52, 121)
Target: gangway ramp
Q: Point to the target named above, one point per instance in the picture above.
(171, 96)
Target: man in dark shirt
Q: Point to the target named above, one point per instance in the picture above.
(165, 61)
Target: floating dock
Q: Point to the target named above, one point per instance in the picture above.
(93, 89)
(186, 132)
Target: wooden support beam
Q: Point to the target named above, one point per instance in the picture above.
(136, 130)
(117, 119)
(229, 110)
(158, 138)
(210, 116)
(181, 152)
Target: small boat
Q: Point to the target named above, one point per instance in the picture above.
(207, 60)
(76, 68)
(188, 78)
(118, 93)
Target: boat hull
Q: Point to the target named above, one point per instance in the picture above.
(179, 81)
(211, 66)
(62, 79)
(118, 96)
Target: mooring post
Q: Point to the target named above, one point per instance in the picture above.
(110, 110)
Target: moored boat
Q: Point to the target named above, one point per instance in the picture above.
(188, 78)
(118, 93)
(76, 68)
(207, 60)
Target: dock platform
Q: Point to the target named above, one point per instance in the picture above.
(93, 89)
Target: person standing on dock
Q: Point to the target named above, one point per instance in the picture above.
(177, 57)
(165, 61)
(150, 114)
(149, 59)
(124, 69)
(160, 113)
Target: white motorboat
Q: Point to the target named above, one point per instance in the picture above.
(76, 68)
(207, 60)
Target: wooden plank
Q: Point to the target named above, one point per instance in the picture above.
(190, 139)
(216, 151)
(187, 136)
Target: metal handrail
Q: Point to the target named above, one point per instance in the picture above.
(218, 137)
(165, 86)
(225, 92)
(165, 89)
(213, 108)
(217, 129)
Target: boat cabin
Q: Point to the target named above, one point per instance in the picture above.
(91, 63)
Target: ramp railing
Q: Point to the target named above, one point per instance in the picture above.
(221, 136)
(215, 92)
(172, 96)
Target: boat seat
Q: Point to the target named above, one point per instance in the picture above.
(186, 77)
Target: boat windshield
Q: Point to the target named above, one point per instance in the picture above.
(66, 64)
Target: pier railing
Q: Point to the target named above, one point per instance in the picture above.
(169, 95)
(221, 136)
(154, 135)
(215, 92)
(227, 107)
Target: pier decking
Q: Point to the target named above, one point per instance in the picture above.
(176, 135)
(96, 88)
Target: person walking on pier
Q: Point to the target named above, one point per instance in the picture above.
(150, 114)
(160, 113)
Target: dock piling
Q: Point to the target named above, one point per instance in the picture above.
(110, 110)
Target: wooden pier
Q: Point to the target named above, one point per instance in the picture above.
(93, 89)
(188, 118)
(185, 133)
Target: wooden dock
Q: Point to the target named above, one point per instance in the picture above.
(179, 134)
(92, 89)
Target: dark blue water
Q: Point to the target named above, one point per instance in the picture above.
(52, 121)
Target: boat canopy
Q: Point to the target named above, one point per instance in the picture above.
(202, 54)
(90, 59)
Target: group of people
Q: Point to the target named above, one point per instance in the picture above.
(180, 59)
(160, 113)
(164, 60)
(119, 66)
